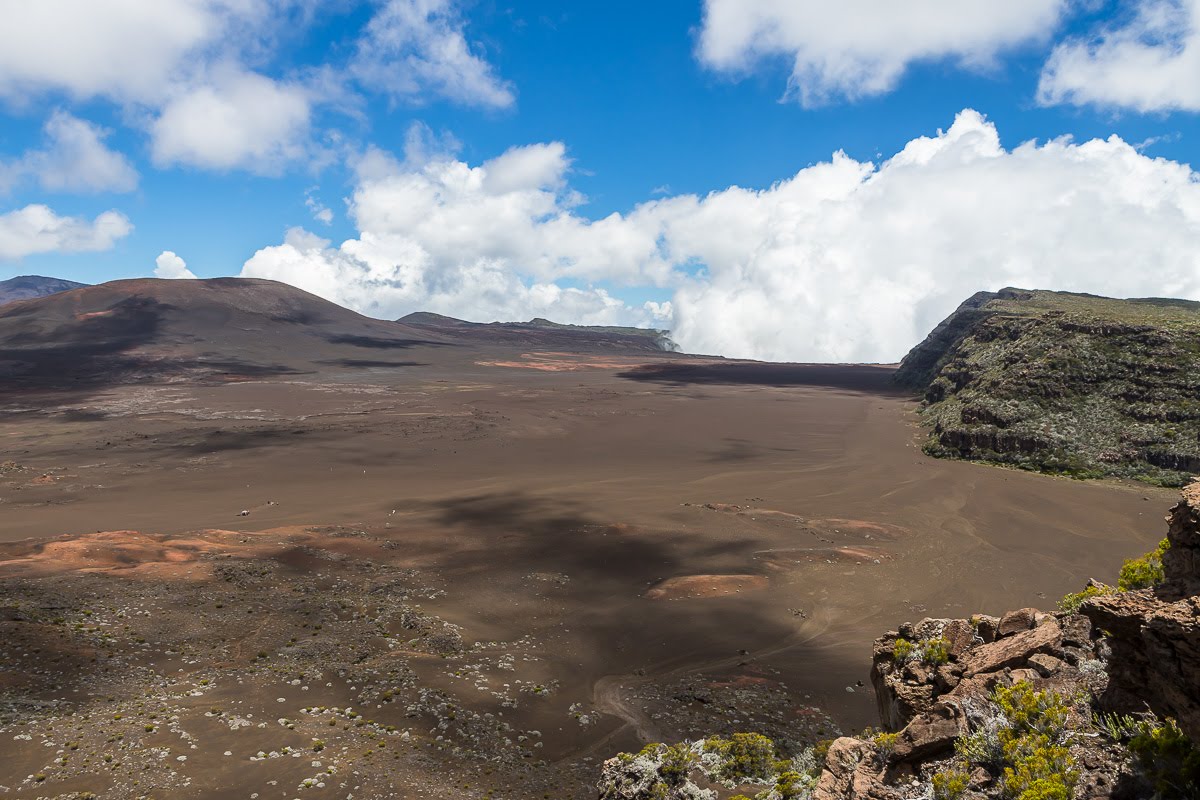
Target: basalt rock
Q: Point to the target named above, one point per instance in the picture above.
(906, 685)
(1155, 634)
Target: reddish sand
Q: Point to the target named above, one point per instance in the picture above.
(693, 586)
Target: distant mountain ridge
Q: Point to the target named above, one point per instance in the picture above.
(28, 287)
(1063, 382)
(543, 331)
(149, 329)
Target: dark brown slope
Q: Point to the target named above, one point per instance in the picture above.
(543, 333)
(150, 330)
(28, 287)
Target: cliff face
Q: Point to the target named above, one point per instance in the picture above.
(1155, 633)
(1063, 382)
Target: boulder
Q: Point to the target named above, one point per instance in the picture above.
(853, 772)
(988, 627)
(1046, 665)
(1016, 621)
(1013, 650)
(930, 733)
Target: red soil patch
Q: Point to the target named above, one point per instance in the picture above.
(135, 554)
(695, 586)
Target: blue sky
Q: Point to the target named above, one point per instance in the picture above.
(218, 138)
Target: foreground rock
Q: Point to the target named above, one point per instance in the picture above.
(1155, 633)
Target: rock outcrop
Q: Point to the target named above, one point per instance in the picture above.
(1155, 633)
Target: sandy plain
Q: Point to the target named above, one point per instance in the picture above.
(477, 571)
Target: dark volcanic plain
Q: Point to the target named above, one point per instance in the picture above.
(256, 546)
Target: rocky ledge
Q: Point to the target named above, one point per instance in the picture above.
(1155, 633)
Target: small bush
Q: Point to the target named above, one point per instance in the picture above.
(950, 784)
(1040, 769)
(1071, 602)
(935, 651)
(792, 785)
(886, 743)
(677, 761)
(1038, 764)
(744, 756)
(1144, 572)
(903, 650)
(1026, 709)
(1168, 759)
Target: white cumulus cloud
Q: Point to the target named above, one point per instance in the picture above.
(128, 50)
(857, 48)
(169, 265)
(413, 47)
(240, 120)
(206, 79)
(38, 229)
(844, 261)
(74, 159)
(1151, 63)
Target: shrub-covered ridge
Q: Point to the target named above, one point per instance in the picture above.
(1065, 383)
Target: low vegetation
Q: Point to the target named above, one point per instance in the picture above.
(1144, 572)
(746, 762)
(933, 651)
(1024, 741)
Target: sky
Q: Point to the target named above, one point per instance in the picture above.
(775, 179)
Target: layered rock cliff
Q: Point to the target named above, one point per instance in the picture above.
(1065, 383)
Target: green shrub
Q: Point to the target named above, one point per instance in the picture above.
(886, 743)
(1040, 770)
(903, 650)
(930, 651)
(792, 785)
(677, 761)
(744, 756)
(1144, 572)
(1038, 764)
(935, 651)
(950, 784)
(1168, 759)
(1071, 602)
(1026, 709)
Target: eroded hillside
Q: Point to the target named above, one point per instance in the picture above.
(1065, 383)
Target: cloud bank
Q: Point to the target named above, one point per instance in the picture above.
(844, 261)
